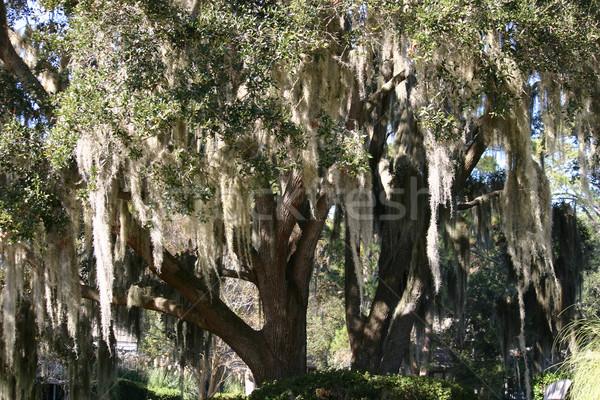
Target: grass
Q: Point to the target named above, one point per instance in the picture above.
(156, 383)
(585, 359)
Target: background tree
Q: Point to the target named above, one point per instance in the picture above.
(478, 67)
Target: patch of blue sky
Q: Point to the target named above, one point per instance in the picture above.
(37, 14)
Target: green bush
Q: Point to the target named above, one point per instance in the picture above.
(359, 385)
(130, 390)
(164, 394)
(127, 389)
(540, 382)
(229, 396)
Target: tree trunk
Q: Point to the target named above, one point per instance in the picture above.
(283, 278)
(284, 330)
(401, 217)
(380, 343)
(396, 348)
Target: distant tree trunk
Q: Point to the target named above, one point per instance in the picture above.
(380, 340)
(401, 220)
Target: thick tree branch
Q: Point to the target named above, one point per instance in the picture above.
(301, 260)
(157, 303)
(376, 97)
(218, 318)
(49, 75)
(478, 200)
(288, 210)
(360, 110)
(15, 64)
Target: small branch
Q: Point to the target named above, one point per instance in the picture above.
(590, 216)
(480, 254)
(478, 200)
(249, 276)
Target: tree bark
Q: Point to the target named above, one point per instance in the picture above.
(398, 337)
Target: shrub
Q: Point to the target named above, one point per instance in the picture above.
(540, 382)
(164, 394)
(228, 396)
(346, 384)
(126, 389)
(154, 384)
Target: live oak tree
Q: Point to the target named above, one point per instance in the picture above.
(143, 112)
(479, 73)
(246, 122)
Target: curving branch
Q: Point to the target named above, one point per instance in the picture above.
(478, 200)
(15, 64)
(387, 87)
(474, 152)
(155, 303)
(218, 318)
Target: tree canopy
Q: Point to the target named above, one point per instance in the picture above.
(151, 149)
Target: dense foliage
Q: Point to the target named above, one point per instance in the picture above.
(542, 381)
(358, 385)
